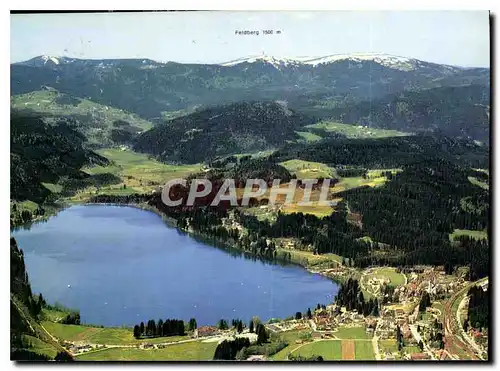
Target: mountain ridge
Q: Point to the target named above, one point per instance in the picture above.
(381, 58)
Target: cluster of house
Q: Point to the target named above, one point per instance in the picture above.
(77, 348)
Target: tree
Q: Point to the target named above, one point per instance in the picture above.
(250, 326)
(141, 328)
(262, 335)
(192, 324)
(466, 325)
(222, 324)
(63, 357)
(424, 302)
(298, 315)
(137, 332)
(309, 314)
(159, 328)
(375, 310)
(239, 328)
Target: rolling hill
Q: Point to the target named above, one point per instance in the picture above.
(100, 124)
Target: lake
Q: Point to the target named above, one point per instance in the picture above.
(122, 265)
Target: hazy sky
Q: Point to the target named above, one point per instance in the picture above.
(451, 37)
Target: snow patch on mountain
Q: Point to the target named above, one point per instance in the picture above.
(275, 61)
(387, 60)
(46, 58)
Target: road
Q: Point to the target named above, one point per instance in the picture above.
(470, 340)
(454, 342)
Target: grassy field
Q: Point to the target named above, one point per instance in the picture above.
(478, 235)
(330, 350)
(308, 136)
(138, 172)
(107, 335)
(291, 337)
(411, 349)
(309, 259)
(364, 350)
(355, 131)
(352, 333)
(388, 346)
(478, 182)
(390, 273)
(190, 351)
(38, 346)
(308, 169)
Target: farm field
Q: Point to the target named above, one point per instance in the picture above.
(337, 350)
(364, 350)
(190, 351)
(352, 333)
(330, 350)
(388, 346)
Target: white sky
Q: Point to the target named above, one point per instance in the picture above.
(450, 37)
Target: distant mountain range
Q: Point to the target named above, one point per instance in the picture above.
(149, 88)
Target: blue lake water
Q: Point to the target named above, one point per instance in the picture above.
(125, 265)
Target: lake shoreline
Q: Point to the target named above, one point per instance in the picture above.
(74, 221)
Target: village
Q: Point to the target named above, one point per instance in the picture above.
(400, 331)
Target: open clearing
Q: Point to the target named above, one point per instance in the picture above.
(308, 259)
(138, 173)
(477, 235)
(191, 351)
(356, 131)
(308, 136)
(308, 169)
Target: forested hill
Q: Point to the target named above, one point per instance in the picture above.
(234, 128)
(388, 152)
(40, 152)
(29, 341)
(456, 111)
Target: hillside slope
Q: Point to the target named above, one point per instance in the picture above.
(100, 124)
(235, 128)
(456, 111)
(29, 341)
(40, 152)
